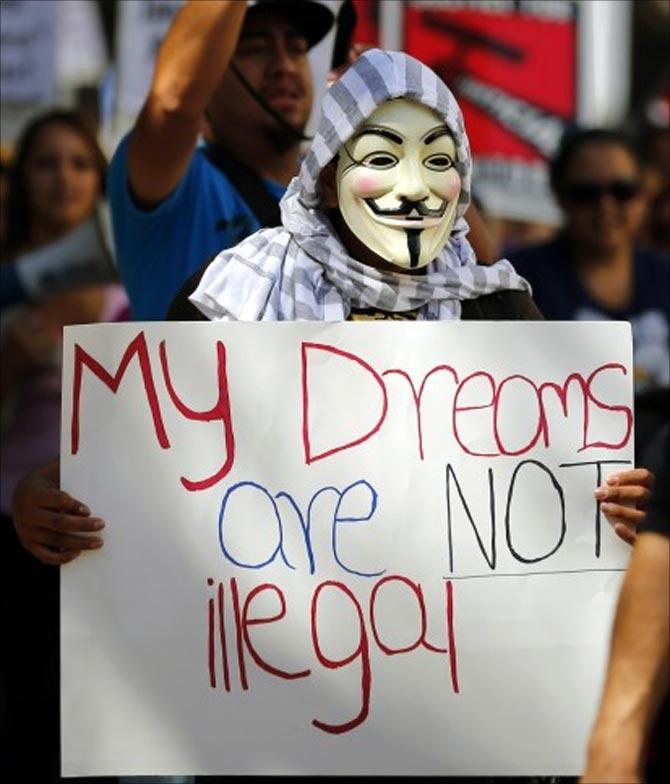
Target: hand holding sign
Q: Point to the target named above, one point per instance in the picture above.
(51, 524)
(623, 499)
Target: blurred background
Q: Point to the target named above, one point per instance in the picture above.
(523, 70)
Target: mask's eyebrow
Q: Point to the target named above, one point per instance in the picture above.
(385, 133)
(436, 133)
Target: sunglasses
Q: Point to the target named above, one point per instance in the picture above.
(592, 192)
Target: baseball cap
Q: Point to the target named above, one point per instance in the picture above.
(311, 17)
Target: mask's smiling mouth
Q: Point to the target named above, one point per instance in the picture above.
(409, 215)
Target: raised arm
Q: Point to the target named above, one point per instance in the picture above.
(192, 60)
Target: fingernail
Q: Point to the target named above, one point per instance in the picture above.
(600, 493)
(98, 525)
(95, 544)
(607, 507)
(83, 509)
(612, 480)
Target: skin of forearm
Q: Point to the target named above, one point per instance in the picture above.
(637, 677)
(191, 62)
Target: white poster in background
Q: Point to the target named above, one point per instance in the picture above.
(81, 54)
(141, 28)
(340, 549)
(27, 51)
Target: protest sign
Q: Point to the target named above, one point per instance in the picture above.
(340, 548)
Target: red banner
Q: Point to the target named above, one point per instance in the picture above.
(367, 22)
(511, 68)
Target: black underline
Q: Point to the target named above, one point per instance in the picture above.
(527, 574)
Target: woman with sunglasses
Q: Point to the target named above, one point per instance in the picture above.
(593, 269)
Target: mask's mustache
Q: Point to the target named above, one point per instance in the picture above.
(406, 207)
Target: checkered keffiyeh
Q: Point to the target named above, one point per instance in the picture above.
(302, 272)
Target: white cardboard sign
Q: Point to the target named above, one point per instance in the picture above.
(340, 549)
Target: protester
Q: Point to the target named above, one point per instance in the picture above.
(174, 204)
(362, 259)
(77, 252)
(594, 271)
(55, 184)
(626, 745)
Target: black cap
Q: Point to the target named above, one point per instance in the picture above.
(312, 18)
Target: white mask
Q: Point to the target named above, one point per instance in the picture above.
(397, 186)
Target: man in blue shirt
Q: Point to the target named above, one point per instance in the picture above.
(172, 205)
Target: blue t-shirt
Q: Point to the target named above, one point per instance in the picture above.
(561, 296)
(158, 249)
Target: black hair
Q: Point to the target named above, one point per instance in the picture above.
(18, 205)
(574, 140)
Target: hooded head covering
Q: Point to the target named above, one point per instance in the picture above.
(301, 270)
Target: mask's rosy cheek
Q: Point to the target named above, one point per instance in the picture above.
(365, 183)
(445, 185)
(454, 189)
(450, 187)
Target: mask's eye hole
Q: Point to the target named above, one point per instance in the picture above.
(439, 162)
(380, 160)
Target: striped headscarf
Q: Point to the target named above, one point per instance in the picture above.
(301, 270)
